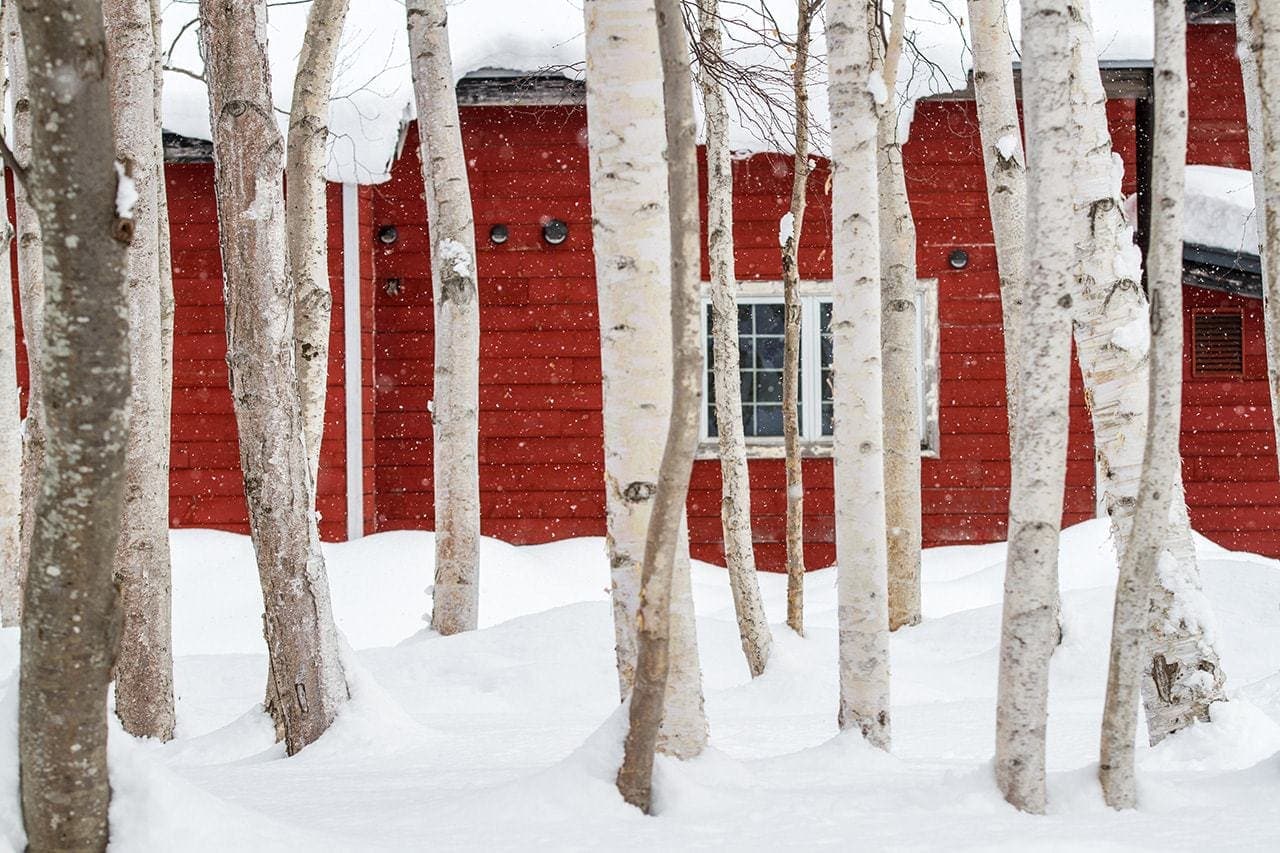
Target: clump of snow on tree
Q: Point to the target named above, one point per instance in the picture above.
(1134, 336)
(455, 256)
(126, 192)
(786, 228)
(1010, 148)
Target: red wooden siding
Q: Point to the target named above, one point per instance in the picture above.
(541, 449)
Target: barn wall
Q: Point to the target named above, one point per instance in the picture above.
(206, 488)
(1228, 444)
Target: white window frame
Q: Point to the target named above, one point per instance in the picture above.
(813, 444)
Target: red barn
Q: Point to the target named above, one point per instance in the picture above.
(541, 449)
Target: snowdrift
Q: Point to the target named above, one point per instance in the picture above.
(509, 737)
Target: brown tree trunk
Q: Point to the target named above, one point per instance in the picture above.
(302, 641)
(635, 777)
(791, 329)
(70, 620)
(144, 663)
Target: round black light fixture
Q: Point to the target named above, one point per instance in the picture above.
(959, 259)
(555, 231)
(498, 234)
(388, 234)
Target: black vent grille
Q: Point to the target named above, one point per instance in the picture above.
(1219, 345)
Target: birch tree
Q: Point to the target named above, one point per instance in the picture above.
(1029, 630)
(650, 701)
(899, 333)
(70, 614)
(789, 233)
(10, 412)
(456, 404)
(856, 91)
(1005, 163)
(306, 680)
(306, 215)
(1258, 24)
(1162, 461)
(631, 230)
(144, 659)
(1111, 332)
(30, 283)
(735, 509)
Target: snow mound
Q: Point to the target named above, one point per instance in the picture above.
(509, 737)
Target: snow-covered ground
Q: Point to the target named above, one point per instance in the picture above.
(509, 737)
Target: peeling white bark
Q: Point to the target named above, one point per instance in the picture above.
(144, 657)
(1029, 629)
(10, 416)
(30, 284)
(632, 238)
(455, 409)
(1183, 672)
(899, 325)
(735, 510)
(70, 617)
(1162, 461)
(306, 677)
(1005, 163)
(306, 216)
(862, 584)
(663, 591)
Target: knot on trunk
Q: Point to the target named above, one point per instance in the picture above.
(638, 492)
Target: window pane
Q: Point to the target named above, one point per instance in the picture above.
(744, 319)
(769, 387)
(768, 420)
(769, 318)
(769, 354)
(826, 347)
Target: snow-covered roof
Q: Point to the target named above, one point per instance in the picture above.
(1219, 209)
(373, 92)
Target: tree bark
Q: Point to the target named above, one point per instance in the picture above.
(1005, 163)
(791, 328)
(70, 619)
(1184, 675)
(899, 333)
(30, 286)
(1162, 460)
(144, 659)
(735, 509)
(1029, 630)
(306, 215)
(666, 525)
(632, 238)
(306, 675)
(1259, 30)
(456, 405)
(862, 582)
(10, 413)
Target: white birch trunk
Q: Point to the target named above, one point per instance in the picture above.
(653, 704)
(1029, 630)
(70, 617)
(735, 510)
(1112, 336)
(165, 259)
(306, 215)
(144, 658)
(10, 416)
(862, 583)
(1162, 460)
(901, 380)
(306, 677)
(1258, 25)
(1005, 163)
(631, 232)
(30, 284)
(456, 404)
(791, 327)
